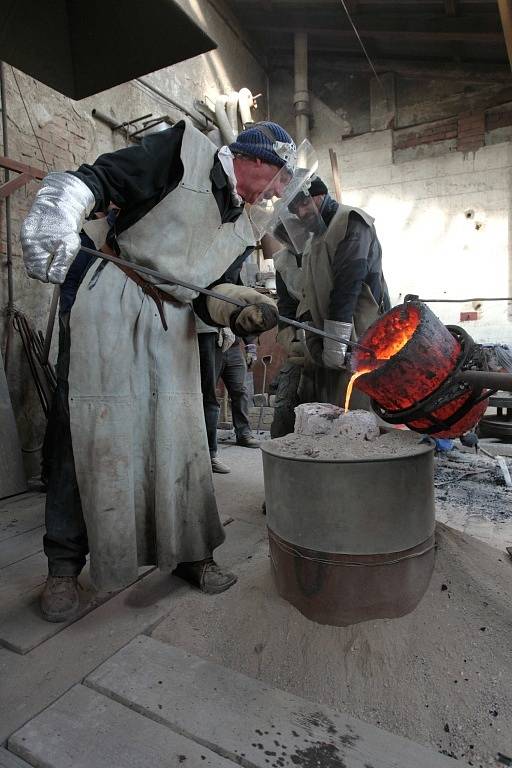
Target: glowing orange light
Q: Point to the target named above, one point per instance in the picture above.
(351, 384)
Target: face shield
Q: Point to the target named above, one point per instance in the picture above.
(301, 219)
(288, 181)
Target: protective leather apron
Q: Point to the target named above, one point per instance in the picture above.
(137, 423)
(319, 383)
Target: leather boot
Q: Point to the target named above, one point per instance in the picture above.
(219, 466)
(59, 599)
(248, 441)
(206, 575)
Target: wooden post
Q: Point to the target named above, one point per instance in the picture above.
(505, 8)
(335, 174)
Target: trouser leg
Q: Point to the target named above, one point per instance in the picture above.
(65, 543)
(208, 363)
(286, 400)
(233, 375)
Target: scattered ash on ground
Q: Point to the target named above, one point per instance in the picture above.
(483, 494)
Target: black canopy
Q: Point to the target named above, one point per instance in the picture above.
(81, 47)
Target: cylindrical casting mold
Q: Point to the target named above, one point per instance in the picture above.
(351, 540)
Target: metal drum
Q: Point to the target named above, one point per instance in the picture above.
(351, 540)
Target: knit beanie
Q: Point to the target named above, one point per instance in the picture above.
(313, 187)
(268, 141)
(317, 187)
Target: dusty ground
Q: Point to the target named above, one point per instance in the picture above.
(441, 676)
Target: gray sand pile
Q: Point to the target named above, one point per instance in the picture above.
(441, 675)
(396, 443)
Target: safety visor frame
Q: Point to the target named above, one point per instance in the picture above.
(284, 186)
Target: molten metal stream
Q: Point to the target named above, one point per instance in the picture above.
(386, 342)
(351, 385)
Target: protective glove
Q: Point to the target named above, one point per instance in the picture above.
(293, 342)
(251, 355)
(226, 339)
(50, 233)
(333, 355)
(260, 313)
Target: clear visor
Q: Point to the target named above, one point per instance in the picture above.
(301, 220)
(264, 212)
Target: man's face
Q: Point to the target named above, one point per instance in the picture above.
(255, 178)
(307, 209)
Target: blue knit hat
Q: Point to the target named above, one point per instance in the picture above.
(268, 141)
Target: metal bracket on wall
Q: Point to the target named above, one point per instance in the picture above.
(26, 173)
(148, 121)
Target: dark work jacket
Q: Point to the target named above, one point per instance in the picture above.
(358, 259)
(137, 178)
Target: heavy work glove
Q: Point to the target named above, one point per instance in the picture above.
(50, 233)
(334, 352)
(251, 355)
(260, 313)
(292, 340)
(226, 339)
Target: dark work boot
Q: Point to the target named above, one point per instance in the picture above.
(206, 575)
(248, 441)
(59, 599)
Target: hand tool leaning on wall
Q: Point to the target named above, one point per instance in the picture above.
(170, 280)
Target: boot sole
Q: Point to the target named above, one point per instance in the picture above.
(59, 618)
(218, 590)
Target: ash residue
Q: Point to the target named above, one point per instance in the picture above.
(342, 448)
(480, 495)
(324, 755)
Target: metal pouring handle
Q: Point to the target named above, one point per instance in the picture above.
(170, 280)
(486, 379)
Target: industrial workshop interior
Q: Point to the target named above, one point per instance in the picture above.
(256, 500)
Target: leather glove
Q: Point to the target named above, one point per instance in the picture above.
(333, 355)
(251, 354)
(226, 339)
(50, 233)
(293, 342)
(259, 315)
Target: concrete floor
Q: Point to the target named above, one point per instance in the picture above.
(434, 676)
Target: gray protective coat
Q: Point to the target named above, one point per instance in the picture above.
(137, 422)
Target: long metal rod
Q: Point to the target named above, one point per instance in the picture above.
(170, 280)
(8, 223)
(50, 324)
(461, 301)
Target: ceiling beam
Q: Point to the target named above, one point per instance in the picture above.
(450, 7)
(411, 69)
(421, 70)
(391, 35)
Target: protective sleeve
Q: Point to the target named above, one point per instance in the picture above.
(286, 304)
(138, 177)
(349, 269)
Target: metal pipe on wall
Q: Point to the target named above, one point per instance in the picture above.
(8, 226)
(301, 95)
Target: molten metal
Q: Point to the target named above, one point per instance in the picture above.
(411, 380)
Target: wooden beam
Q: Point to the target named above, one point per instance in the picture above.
(398, 36)
(505, 8)
(450, 7)
(424, 70)
(12, 185)
(15, 165)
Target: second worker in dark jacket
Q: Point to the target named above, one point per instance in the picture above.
(337, 285)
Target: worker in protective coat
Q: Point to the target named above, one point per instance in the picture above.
(137, 486)
(328, 274)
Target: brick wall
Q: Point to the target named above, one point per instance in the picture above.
(65, 132)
